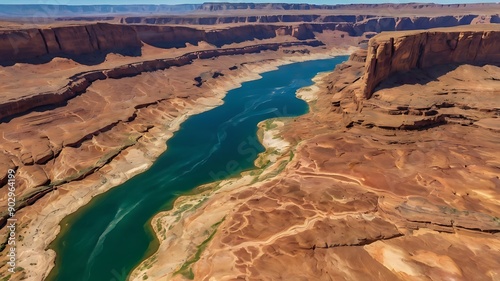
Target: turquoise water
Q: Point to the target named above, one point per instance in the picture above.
(107, 238)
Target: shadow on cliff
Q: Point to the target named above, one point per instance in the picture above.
(37, 109)
(416, 76)
(423, 76)
(212, 38)
(85, 59)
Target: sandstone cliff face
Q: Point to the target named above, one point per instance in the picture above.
(403, 52)
(29, 44)
(178, 36)
(167, 36)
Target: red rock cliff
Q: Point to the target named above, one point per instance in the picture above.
(28, 44)
(403, 51)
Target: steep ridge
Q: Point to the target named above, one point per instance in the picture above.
(368, 152)
(388, 54)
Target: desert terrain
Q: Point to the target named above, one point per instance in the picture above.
(395, 178)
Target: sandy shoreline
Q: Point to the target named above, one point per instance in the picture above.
(48, 212)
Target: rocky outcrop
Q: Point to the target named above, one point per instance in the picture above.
(388, 54)
(69, 41)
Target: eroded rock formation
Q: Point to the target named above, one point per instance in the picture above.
(388, 54)
(69, 41)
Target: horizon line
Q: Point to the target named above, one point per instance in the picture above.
(339, 4)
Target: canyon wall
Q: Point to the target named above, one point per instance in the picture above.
(401, 52)
(68, 41)
(76, 40)
(211, 20)
(178, 36)
(356, 25)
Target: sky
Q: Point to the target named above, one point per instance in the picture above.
(172, 2)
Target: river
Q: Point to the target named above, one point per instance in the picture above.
(107, 238)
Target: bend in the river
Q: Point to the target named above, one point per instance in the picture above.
(107, 238)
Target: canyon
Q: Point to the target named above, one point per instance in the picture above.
(399, 158)
(397, 184)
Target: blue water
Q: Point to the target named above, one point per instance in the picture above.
(107, 238)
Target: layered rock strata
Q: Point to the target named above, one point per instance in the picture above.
(69, 41)
(388, 54)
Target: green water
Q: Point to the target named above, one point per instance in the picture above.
(107, 238)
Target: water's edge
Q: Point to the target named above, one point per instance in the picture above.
(210, 189)
(153, 246)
